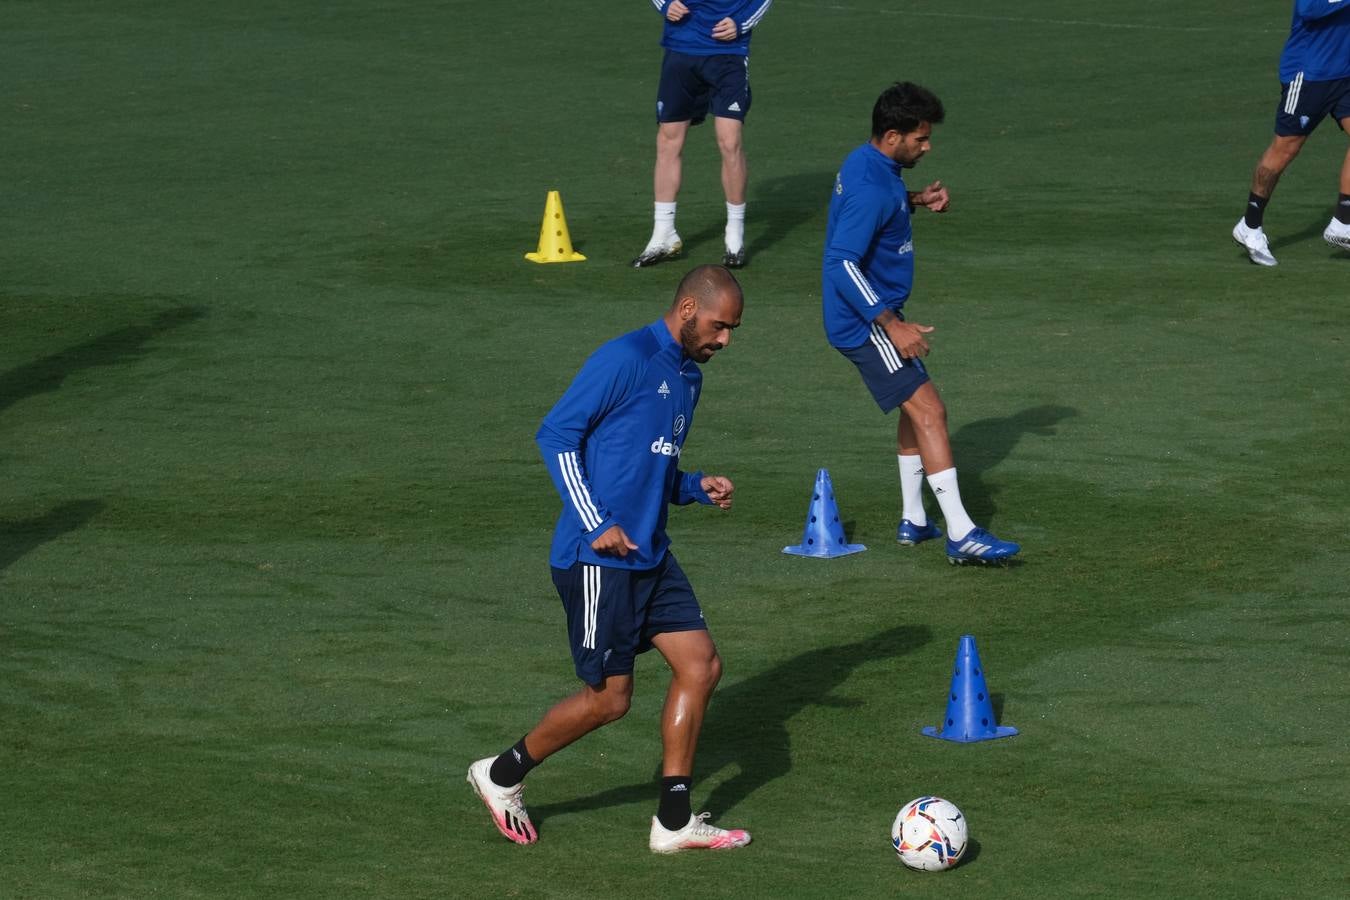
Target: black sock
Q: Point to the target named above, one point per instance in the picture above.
(1256, 210)
(510, 769)
(1343, 209)
(674, 811)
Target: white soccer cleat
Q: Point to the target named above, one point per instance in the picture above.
(1337, 235)
(508, 813)
(696, 835)
(1253, 240)
(658, 250)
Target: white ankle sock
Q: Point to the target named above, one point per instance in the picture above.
(735, 232)
(911, 489)
(663, 223)
(949, 498)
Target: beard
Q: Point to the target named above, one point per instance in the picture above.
(689, 340)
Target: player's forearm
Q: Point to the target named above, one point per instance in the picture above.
(567, 469)
(850, 283)
(688, 488)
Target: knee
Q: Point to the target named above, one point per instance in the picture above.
(707, 673)
(669, 144)
(1283, 151)
(928, 416)
(729, 145)
(610, 705)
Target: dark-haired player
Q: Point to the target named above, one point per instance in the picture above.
(867, 275)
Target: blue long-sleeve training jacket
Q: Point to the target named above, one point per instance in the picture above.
(612, 445)
(693, 33)
(869, 248)
(1318, 48)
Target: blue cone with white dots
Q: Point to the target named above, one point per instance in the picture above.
(970, 712)
(823, 537)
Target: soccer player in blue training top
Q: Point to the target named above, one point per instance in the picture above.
(1315, 83)
(867, 275)
(706, 67)
(612, 445)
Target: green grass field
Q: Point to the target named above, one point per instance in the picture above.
(273, 528)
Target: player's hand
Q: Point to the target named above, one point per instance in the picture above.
(676, 11)
(719, 489)
(725, 30)
(935, 197)
(615, 542)
(908, 337)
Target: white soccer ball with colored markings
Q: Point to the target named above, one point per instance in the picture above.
(930, 834)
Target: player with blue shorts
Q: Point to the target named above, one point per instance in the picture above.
(1314, 84)
(706, 69)
(612, 445)
(867, 274)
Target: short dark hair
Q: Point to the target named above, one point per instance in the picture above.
(902, 106)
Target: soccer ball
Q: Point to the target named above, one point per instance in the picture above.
(929, 834)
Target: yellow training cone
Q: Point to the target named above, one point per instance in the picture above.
(555, 245)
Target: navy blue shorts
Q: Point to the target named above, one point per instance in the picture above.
(1304, 104)
(613, 614)
(692, 85)
(891, 379)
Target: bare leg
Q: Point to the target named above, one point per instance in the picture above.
(578, 715)
(923, 429)
(1345, 166)
(1278, 156)
(695, 670)
(669, 165)
(735, 172)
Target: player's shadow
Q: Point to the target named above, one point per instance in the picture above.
(1312, 231)
(747, 723)
(20, 537)
(984, 443)
(111, 348)
(776, 208)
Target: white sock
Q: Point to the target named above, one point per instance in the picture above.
(663, 224)
(949, 498)
(735, 233)
(911, 489)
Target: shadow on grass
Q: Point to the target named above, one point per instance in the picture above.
(747, 723)
(776, 208)
(1312, 231)
(120, 345)
(984, 443)
(21, 537)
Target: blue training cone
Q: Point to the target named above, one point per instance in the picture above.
(970, 714)
(823, 536)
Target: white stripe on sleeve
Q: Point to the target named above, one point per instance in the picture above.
(756, 16)
(860, 282)
(576, 488)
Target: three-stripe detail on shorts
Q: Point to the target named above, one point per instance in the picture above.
(890, 357)
(590, 593)
(1295, 88)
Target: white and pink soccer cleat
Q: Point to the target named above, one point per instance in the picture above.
(696, 835)
(508, 813)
